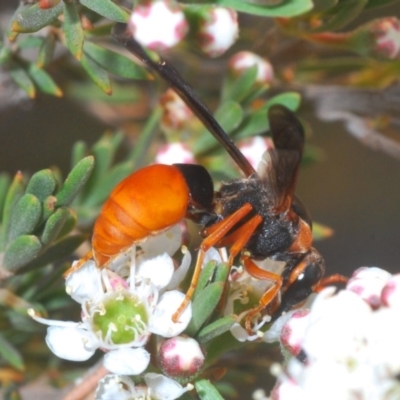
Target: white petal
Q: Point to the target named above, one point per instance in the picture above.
(71, 343)
(212, 255)
(274, 332)
(161, 320)
(166, 242)
(127, 361)
(180, 273)
(113, 387)
(240, 334)
(158, 270)
(163, 388)
(85, 283)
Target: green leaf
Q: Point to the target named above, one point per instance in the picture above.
(340, 15)
(4, 185)
(289, 8)
(101, 192)
(206, 277)
(21, 251)
(14, 193)
(31, 18)
(49, 205)
(204, 305)
(254, 124)
(22, 79)
(114, 62)
(216, 328)
(379, 3)
(74, 34)
(238, 88)
(56, 252)
(75, 181)
(79, 151)
(54, 225)
(291, 100)
(207, 391)
(229, 115)
(107, 9)
(10, 354)
(25, 216)
(42, 184)
(46, 51)
(98, 75)
(43, 80)
(30, 42)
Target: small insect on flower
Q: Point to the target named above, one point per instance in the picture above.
(257, 217)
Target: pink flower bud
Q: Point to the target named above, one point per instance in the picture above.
(218, 31)
(387, 36)
(176, 114)
(181, 356)
(294, 330)
(158, 25)
(246, 59)
(173, 153)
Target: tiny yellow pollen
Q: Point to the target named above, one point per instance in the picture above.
(138, 317)
(31, 312)
(68, 289)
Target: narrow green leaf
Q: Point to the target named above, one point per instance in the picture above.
(254, 124)
(206, 277)
(98, 75)
(216, 328)
(75, 181)
(340, 15)
(204, 305)
(4, 186)
(43, 80)
(22, 79)
(30, 42)
(49, 204)
(31, 18)
(74, 34)
(69, 224)
(207, 391)
(289, 8)
(46, 51)
(291, 100)
(42, 184)
(221, 273)
(21, 251)
(229, 115)
(114, 62)
(54, 225)
(10, 354)
(101, 192)
(56, 252)
(239, 87)
(107, 9)
(25, 216)
(79, 151)
(14, 193)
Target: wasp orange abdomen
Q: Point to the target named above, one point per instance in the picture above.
(145, 203)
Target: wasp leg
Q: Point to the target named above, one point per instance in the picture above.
(214, 235)
(268, 296)
(332, 279)
(78, 265)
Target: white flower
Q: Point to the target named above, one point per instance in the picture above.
(158, 25)
(122, 306)
(173, 153)
(159, 387)
(218, 31)
(243, 60)
(254, 148)
(351, 344)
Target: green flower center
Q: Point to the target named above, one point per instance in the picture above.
(121, 318)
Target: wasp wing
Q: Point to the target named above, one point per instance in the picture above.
(279, 166)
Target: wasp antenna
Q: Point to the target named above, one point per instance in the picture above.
(286, 129)
(186, 92)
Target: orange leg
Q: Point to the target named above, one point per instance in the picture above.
(332, 279)
(79, 264)
(268, 296)
(214, 235)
